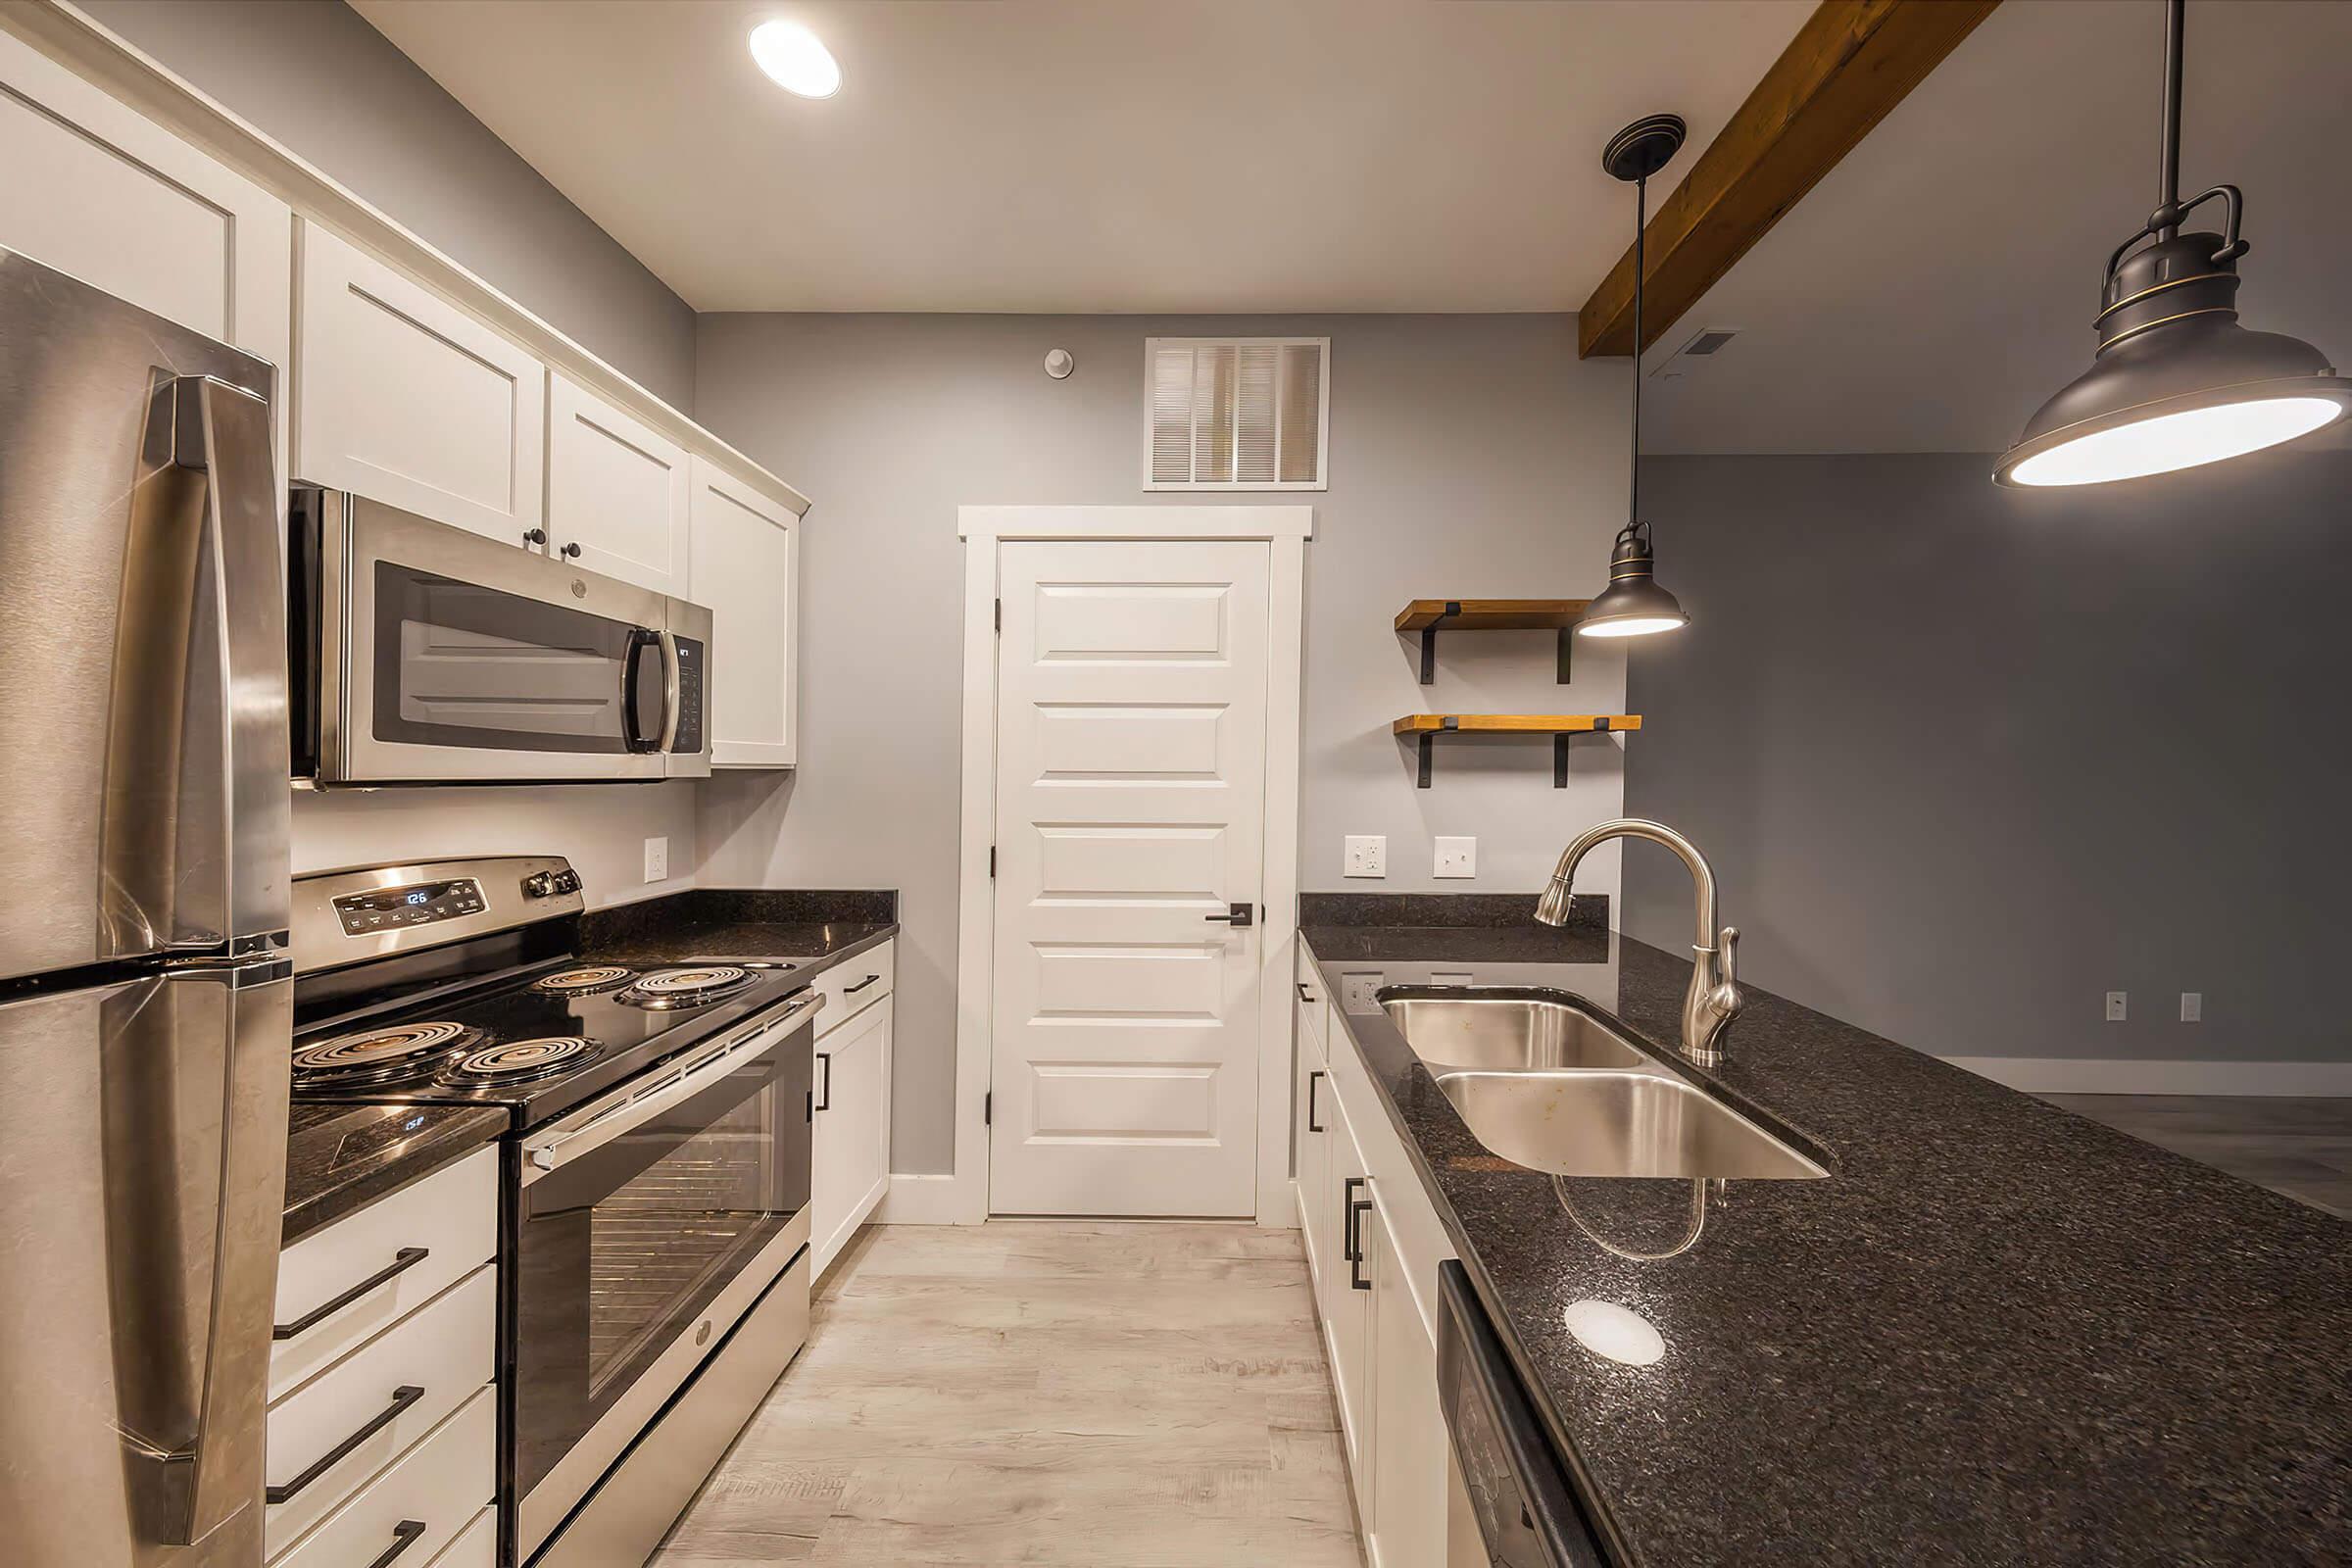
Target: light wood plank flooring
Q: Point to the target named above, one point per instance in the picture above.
(1113, 1396)
(2299, 1146)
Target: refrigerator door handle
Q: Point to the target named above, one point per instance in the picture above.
(223, 431)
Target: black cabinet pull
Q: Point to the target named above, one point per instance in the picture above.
(402, 1397)
(1348, 1207)
(1302, 995)
(1312, 1125)
(403, 1535)
(850, 991)
(408, 1257)
(1356, 1278)
(824, 1059)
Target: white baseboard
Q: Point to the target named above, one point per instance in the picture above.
(919, 1200)
(2085, 1075)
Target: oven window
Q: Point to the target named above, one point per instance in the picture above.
(460, 664)
(620, 1251)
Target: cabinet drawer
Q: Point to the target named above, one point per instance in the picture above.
(476, 1547)
(451, 1217)
(434, 1491)
(853, 985)
(444, 1350)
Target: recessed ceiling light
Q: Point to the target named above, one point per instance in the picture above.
(795, 60)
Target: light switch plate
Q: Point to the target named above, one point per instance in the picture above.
(1367, 855)
(656, 860)
(2192, 1007)
(2114, 1006)
(1456, 858)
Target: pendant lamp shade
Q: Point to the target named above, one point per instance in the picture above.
(2176, 381)
(1633, 604)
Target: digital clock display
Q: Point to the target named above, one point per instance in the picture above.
(420, 904)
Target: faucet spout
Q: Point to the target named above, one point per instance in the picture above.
(1713, 999)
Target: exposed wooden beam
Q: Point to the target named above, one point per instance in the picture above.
(1850, 64)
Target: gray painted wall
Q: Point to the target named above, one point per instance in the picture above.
(315, 76)
(1967, 758)
(1471, 456)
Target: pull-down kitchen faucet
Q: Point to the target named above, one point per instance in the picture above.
(1713, 1000)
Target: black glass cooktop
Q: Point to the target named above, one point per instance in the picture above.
(537, 1040)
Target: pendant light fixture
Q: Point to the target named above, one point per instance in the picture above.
(1633, 604)
(2177, 382)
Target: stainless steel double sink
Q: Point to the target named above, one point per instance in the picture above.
(1549, 1082)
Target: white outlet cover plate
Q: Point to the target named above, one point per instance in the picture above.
(2114, 1006)
(656, 860)
(1356, 992)
(1456, 858)
(1365, 855)
(2192, 1007)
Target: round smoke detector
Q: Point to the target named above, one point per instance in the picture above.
(1059, 363)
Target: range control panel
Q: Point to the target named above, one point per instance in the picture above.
(419, 904)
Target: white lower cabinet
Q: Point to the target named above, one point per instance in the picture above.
(1373, 1243)
(423, 1502)
(476, 1545)
(849, 1157)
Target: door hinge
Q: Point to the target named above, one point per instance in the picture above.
(1000, 614)
(987, 1108)
(991, 863)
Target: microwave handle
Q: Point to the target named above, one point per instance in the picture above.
(671, 673)
(631, 667)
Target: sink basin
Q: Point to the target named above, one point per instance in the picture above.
(1504, 1031)
(1642, 1122)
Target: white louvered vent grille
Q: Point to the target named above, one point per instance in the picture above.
(1236, 414)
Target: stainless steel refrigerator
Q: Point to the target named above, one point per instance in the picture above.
(145, 996)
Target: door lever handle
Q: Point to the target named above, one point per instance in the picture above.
(1236, 916)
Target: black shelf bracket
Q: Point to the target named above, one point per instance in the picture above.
(1429, 646)
(1567, 643)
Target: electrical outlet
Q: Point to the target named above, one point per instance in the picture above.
(2192, 1007)
(1458, 858)
(1367, 855)
(1357, 991)
(2114, 1006)
(656, 860)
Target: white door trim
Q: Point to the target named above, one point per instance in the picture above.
(1286, 529)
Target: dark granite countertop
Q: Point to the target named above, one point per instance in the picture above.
(1996, 1333)
(816, 929)
(340, 1159)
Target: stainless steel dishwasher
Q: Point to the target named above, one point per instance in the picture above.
(1508, 1501)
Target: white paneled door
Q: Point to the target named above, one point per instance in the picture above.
(1131, 783)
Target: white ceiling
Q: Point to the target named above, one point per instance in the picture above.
(1427, 155)
(1102, 154)
(1940, 281)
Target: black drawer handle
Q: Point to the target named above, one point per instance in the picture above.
(403, 1535)
(1312, 1125)
(824, 1059)
(408, 1257)
(850, 991)
(402, 1397)
(1302, 995)
(1356, 1278)
(1348, 1207)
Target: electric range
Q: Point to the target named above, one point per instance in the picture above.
(656, 1172)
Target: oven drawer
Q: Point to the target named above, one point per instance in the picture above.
(417, 1372)
(420, 1504)
(854, 984)
(450, 1217)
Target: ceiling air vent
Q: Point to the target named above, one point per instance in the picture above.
(1706, 342)
(1237, 412)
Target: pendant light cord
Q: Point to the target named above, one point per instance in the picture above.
(1633, 487)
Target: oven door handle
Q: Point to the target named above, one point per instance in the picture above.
(544, 1154)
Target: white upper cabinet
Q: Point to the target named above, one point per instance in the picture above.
(97, 190)
(616, 490)
(746, 552)
(402, 396)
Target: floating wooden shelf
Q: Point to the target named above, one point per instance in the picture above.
(1428, 616)
(1425, 728)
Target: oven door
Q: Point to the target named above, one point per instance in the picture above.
(446, 655)
(645, 1225)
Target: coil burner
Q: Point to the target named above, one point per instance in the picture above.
(520, 1060)
(381, 1055)
(584, 980)
(686, 988)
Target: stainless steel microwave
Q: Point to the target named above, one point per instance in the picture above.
(424, 654)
